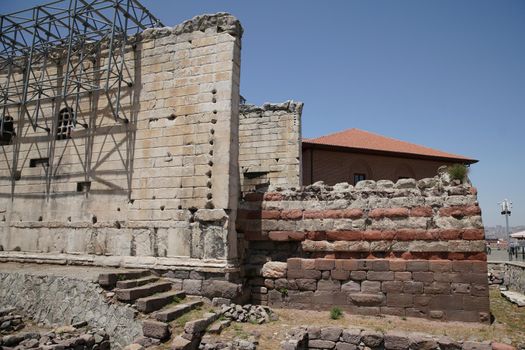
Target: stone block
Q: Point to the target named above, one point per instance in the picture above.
(306, 284)
(155, 329)
(192, 287)
(331, 333)
(351, 287)
(321, 344)
(329, 285)
(470, 345)
(372, 339)
(399, 300)
(396, 340)
(371, 286)
(342, 275)
(380, 275)
(324, 264)
(218, 288)
(274, 269)
(351, 336)
(366, 299)
(345, 346)
(417, 265)
(392, 286)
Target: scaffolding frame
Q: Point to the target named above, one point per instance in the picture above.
(69, 36)
(54, 54)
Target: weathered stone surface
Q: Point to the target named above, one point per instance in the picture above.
(396, 341)
(364, 299)
(321, 344)
(218, 288)
(372, 339)
(274, 269)
(155, 329)
(331, 333)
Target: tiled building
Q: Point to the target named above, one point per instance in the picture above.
(353, 155)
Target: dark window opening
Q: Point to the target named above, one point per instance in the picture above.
(402, 177)
(83, 186)
(37, 161)
(359, 177)
(8, 130)
(66, 117)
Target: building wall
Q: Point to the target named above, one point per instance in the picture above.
(336, 166)
(413, 248)
(163, 187)
(270, 145)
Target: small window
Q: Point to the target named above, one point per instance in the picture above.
(83, 186)
(65, 123)
(402, 177)
(33, 163)
(359, 177)
(7, 130)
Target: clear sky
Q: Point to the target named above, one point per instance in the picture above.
(443, 73)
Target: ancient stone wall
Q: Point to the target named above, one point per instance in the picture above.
(413, 248)
(53, 300)
(161, 189)
(270, 145)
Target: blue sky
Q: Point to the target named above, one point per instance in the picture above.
(444, 73)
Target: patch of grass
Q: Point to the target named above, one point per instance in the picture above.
(510, 315)
(336, 313)
(283, 291)
(458, 172)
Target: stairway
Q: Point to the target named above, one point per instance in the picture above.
(160, 306)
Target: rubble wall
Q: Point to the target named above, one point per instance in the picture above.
(509, 274)
(53, 300)
(270, 145)
(410, 248)
(158, 190)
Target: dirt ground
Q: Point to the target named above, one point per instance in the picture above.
(509, 325)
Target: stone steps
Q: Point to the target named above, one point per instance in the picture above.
(136, 282)
(158, 301)
(109, 280)
(130, 294)
(177, 311)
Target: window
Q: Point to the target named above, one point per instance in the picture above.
(359, 177)
(65, 123)
(402, 177)
(8, 131)
(33, 163)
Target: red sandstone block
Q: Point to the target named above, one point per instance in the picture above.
(316, 235)
(344, 235)
(421, 212)
(341, 275)
(380, 213)
(440, 265)
(456, 256)
(380, 275)
(477, 256)
(253, 197)
(313, 214)
(474, 234)
(292, 214)
(447, 235)
(352, 213)
(372, 235)
(332, 214)
(294, 263)
(308, 264)
(350, 264)
(324, 264)
(400, 300)
(460, 211)
(398, 265)
(286, 236)
(273, 196)
(270, 214)
(358, 275)
(502, 346)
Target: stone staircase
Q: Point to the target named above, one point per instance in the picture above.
(160, 306)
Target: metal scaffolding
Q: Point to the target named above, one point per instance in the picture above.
(63, 50)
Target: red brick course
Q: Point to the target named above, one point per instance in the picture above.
(460, 211)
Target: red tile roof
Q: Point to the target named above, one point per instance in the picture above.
(364, 140)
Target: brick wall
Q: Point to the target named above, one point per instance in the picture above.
(270, 145)
(337, 166)
(163, 186)
(413, 248)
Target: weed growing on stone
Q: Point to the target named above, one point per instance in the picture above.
(283, 291)
(457, 172)
(336, 313)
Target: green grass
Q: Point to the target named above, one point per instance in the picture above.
(336, 313)
(458, 172)
(510, 315)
